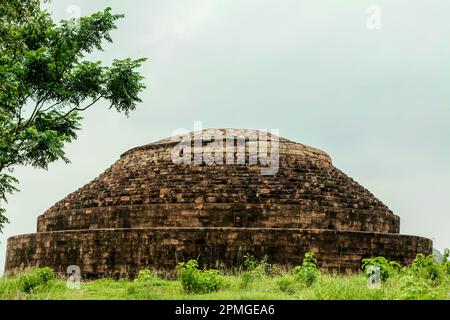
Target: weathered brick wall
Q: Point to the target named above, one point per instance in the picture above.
(125, 251)
(144, 188)
(137, 180)
(146, 211)
(218, 215)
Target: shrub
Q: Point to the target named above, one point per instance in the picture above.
(413, 288)
(144, 284)
(427, 267)
(255, 269)
(250, 262)
(147, 277)
(194, 280)
(446, 262)
(387, 268)
(247, 279)
(36, 278)
(302, 276)
(260, 267)
(307, 273)
(287, 284)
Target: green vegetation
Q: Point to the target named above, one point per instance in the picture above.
(254, 270)
(308, 272)
(47, 82)
(426, 278)
(35, 279)
(301, 277)
(387, 268)
(198, 281)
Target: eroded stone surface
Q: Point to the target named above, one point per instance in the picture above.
(146, 211)
(125, 251)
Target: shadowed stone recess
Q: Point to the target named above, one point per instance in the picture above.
(146, 211)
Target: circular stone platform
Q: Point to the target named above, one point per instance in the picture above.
(146, 211)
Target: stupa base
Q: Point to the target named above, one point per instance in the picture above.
(123, 252)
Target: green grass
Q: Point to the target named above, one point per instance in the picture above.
(425, 279)
(327, 286)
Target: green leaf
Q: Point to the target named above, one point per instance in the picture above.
(46, 83)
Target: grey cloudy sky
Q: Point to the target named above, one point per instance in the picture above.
(376, 100)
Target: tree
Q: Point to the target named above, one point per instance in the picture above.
(46, 82)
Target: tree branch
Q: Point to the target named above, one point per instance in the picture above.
(81, 109)
(50, 107)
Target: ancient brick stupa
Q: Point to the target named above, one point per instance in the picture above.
(151, 210)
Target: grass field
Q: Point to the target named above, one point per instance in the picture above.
(420, 281)
(326, 287)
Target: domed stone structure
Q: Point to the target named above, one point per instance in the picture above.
(150, 211)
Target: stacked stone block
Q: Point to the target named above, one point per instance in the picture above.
(146, 211)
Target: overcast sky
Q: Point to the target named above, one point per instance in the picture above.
(377, 100)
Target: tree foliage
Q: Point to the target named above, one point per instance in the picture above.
(46, 82)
